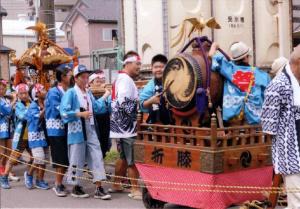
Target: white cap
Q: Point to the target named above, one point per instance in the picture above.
(80, 69)
(239, 50)
(278, 65)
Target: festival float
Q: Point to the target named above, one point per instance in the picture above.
(197, 161)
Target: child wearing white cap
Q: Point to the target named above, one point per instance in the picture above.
(77, 110)
(244, 84)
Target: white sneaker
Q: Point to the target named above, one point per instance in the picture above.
(12, 177)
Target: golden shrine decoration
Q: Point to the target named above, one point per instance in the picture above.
(42, 56)
(198, 25)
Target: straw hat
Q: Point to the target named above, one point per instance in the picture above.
(278, 65)
(239, 50)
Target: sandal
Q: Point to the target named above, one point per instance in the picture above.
(135, 196)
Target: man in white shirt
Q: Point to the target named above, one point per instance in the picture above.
(123, 121)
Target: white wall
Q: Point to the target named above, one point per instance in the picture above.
(267, 27)
(150, 24)
(18, 43)
(129, 25)
(181, 9)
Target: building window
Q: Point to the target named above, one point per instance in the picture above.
(109, 34)
(69, 35)
(61, 10)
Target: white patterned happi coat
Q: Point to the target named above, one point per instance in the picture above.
(281, 119)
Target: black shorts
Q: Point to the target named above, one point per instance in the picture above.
(59, 150)
(103, 121)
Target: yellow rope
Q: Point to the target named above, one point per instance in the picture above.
(262, 189)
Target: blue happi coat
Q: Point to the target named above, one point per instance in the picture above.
(5, 113)
(105, 105)
(36, 135)
(146, 93)
(20, 122)
(157, 112)
(54, 123)
(69, 107)
(236, 85)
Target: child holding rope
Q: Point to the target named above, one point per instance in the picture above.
(56, 130)
(5, 113)
(20, 139)
(77, 110)
(37, 137)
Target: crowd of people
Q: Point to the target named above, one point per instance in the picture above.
(78, 127)
(73, 126)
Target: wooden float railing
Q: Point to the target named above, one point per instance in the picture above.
(214, 150)
(214, 138)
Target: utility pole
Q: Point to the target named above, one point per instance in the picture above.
(4, 51)
(1, 36)
(2, 14)
(47, 16)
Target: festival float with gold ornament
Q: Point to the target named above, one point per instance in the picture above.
(192, 25)
(196, 149)
(43, 56)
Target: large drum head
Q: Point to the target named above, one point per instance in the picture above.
(181, 92)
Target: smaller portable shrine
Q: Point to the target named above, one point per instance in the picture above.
(41, 58)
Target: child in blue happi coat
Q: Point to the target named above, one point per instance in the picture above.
(37, 137)
(151, 99)
(5, 114)
(97, 80)
(244, 85)
(56, 130)
(77, 109)
(20, 138)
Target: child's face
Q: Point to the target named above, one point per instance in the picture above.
(28, 82)
(23, 96)
(2, 90)
(158, 69)
(67, 78)
(42, 94)
(82, 79)
(97, 82)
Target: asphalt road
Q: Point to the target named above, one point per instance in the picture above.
(20, 197)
